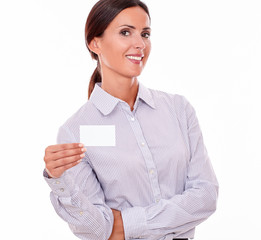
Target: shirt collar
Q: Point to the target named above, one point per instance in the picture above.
(106, 102)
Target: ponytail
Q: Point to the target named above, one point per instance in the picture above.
(96, 77)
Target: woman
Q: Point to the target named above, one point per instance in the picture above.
(156, 182)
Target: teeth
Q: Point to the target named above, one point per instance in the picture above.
(135, 58)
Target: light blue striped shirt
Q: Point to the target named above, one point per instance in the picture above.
(158, 175)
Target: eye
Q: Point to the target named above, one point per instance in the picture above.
(146, 34)
(125, 33)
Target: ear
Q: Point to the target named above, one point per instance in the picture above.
(94, 46)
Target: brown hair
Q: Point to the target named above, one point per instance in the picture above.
(101, 15)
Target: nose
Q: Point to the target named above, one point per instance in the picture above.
(139, 43)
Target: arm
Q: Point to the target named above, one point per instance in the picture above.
(118, 230)
(180, 213)
(79, 200)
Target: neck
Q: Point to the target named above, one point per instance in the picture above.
(125, 89)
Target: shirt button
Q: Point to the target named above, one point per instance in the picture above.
(62, 189)
(143, 144)
(157, 200)
(57, 182)
(81, 213)
(151, 171)
(132, 119)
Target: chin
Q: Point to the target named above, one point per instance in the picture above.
(136, 73)
(133, 75)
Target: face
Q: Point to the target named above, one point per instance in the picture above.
(125, 46)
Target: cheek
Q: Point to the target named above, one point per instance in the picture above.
(148, 47)
(108, 57)
(147, 51)
(113, 51)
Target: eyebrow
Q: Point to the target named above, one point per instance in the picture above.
(130, 26)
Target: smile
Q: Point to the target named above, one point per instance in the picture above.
(135, 58)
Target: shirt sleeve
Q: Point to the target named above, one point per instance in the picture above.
(181, 213)
(78, 199)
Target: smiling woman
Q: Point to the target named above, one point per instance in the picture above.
(154, 180)
(122, 50)
(98, 22)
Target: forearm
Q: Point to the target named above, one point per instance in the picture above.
(86, 220)
(177, 215)
(118, 230)
(88, 216)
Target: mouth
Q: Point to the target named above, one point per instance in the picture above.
(135, 58)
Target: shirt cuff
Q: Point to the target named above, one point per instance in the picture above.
(62, 186)
(134, 222)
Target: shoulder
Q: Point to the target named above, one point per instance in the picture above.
(172, 99)
(176, 104)
(85, 112)
(69, 130)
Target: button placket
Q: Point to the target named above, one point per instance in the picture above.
(148, 158)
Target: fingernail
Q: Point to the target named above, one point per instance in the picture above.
(81, 145)
(79, 161)
(84, 149)
(82, 155)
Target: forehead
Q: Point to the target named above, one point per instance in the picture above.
(135, 16)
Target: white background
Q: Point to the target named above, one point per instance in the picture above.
(208, 51)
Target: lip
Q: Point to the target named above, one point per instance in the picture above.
(134, 60)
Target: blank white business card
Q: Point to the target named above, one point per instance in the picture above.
(97, 135)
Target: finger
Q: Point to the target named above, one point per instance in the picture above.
(68, 160)
(50, 156)
(49, 173)
(66, 153)
(57, 172)
(64, 146)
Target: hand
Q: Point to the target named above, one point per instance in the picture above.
(118, 229)
(61, 157)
